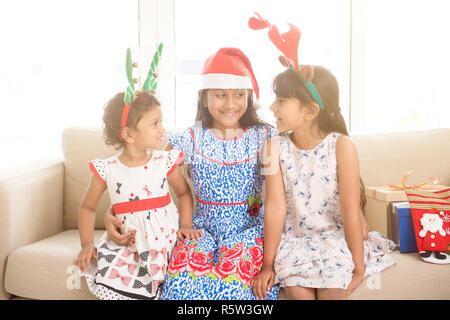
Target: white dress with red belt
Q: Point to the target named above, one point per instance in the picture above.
(141, 200)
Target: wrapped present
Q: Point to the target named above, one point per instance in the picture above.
(402, 227)
(379, 198)
(430, 211)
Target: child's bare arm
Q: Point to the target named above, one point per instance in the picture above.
(183, 192)
(274, 214)
(113, 225)
(349, 190)
(86, 220)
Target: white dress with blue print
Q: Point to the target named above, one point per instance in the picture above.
(313, 251)
(224, 174)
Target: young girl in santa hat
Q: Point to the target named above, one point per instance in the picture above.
(138, 186)
(316, 250)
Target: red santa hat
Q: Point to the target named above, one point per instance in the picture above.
(229, 68)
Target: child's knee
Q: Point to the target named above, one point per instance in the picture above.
(300, 293)
(331, 294)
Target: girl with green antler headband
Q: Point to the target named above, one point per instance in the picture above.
(133, 266)
(318, 249)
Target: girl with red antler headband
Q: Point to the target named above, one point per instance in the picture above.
(137, 183)
(317, 249)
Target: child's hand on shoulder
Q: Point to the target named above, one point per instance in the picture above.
(86, 254)
(263, 282)
(189, 233)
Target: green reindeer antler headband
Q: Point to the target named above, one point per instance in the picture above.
(149, 85)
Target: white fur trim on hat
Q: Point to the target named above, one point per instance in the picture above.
(224, 81)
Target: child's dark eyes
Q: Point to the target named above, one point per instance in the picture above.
(223, 95)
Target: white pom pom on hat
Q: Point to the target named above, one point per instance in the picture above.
(229, 68)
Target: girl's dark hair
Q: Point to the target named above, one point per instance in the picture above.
(112, 115)
(249, 118)
(288, 85)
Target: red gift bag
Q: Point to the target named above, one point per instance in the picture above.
(430, 212)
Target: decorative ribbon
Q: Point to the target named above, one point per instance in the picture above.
(154, 253)
(137, 285)
(137, 205)
(102, 272)
(144, 256)
(149, 193)
(131, 267)
(127, 252)
(108, 257)
(154, 268)
(115, 274)
(420, 186)
(105, 246)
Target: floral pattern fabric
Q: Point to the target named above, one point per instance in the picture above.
(313, 251)
(224, 173)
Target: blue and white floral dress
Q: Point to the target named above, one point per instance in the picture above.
(313, 251)
(224, 173)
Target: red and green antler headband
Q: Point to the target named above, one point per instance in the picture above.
(287, 43)
(150, 83)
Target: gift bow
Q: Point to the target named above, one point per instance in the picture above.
(420, 186)
(127, 252)
(149, 193)
(154, 269)
(131, 267)
(108, 257)
(154, 253)
(138, 285)
(115, 274)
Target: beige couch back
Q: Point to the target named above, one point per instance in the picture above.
(384, 159)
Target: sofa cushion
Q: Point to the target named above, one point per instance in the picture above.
(79, 146)
(410, 279)
(45, 269)
(385, 158)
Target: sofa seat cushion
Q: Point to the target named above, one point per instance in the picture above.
(46, 269)
(410, 279)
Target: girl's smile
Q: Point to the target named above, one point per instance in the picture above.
(226, 107)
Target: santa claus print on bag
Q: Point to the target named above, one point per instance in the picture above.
(430, 211)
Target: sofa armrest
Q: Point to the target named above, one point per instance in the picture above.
(31, 207)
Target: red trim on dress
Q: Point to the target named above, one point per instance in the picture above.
(177, 162)
(221, 203)
(142, 205)
(95, 172)
(235, 138)
(227, 163)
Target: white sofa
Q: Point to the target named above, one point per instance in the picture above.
(38, 216)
